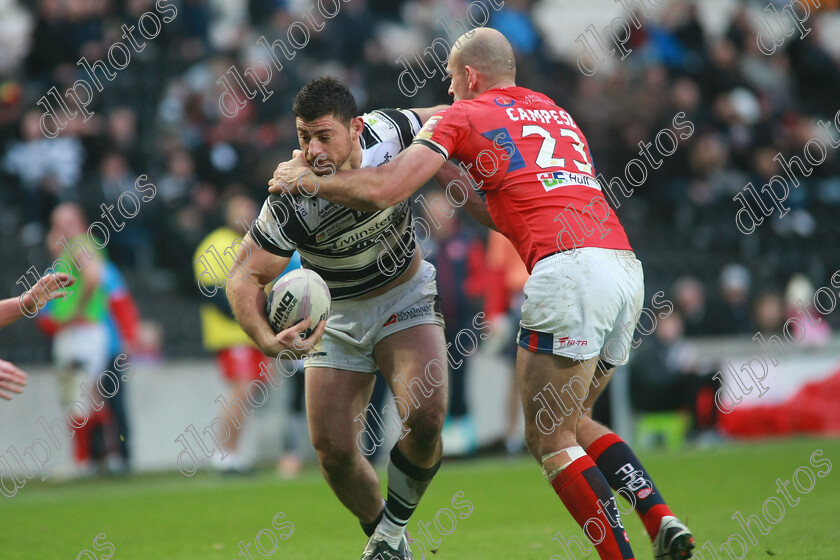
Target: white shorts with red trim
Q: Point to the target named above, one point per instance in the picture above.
(583, 304)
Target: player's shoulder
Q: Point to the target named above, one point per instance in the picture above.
(300, 208)
(392, 118)
(396, 126)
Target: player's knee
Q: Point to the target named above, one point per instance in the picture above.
(533, 440)
(333, 454)
(538, 441)
(426, 423)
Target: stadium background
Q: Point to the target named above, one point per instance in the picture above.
(160, 117)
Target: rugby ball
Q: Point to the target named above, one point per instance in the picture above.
(297, 295)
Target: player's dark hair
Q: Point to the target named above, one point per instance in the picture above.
(325, 96)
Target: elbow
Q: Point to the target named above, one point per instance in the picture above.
(231, 286)
(381, 204)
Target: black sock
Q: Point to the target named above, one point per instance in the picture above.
(369, 528)
(623, 470)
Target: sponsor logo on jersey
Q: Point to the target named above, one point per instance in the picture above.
(361, 237)
(553, 179)
(410, 313)
(503, 101)
(328, 210)
(300, 207)
(566, 341)
(336, 227)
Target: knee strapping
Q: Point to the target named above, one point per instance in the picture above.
(575, 452)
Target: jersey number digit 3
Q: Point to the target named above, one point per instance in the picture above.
(545, 157)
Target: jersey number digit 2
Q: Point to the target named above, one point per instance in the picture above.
(546, 159)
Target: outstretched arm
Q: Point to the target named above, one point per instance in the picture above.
(367, 189)
(47, 288)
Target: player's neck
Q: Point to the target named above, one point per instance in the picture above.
(496, 85)
(355, 159)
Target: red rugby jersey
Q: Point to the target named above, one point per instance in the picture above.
(534, 166)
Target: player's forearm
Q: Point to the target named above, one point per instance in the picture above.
(367, 189)
(247, 300)
(356, 188)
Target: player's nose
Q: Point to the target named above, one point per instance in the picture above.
(314, 149)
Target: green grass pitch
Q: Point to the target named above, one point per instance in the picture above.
(514, 512)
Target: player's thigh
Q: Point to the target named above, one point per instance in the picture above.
(601, 376)
(544, 378)
(413, 362)
(334, 400)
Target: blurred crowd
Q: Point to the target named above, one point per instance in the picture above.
(160, 117)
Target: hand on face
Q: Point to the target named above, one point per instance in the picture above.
(294, 177)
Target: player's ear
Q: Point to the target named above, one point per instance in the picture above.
(471, 77)
(357, 126)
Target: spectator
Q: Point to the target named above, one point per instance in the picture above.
(664, 376)
(239, 360)
(768, 313)
(78, 327)
(799, 304)
(49, 170)
(123, 324)
(690, 299)
(733, 315)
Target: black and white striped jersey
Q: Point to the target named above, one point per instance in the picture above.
(355, 252)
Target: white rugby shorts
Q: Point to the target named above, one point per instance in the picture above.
(354, 327)
(583, 304)
(81, 354)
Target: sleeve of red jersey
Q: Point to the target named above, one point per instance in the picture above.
(126, 316)
(445, 132)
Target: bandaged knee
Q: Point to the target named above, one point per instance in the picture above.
(575, 452)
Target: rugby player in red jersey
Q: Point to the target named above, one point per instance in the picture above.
(533, 164)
